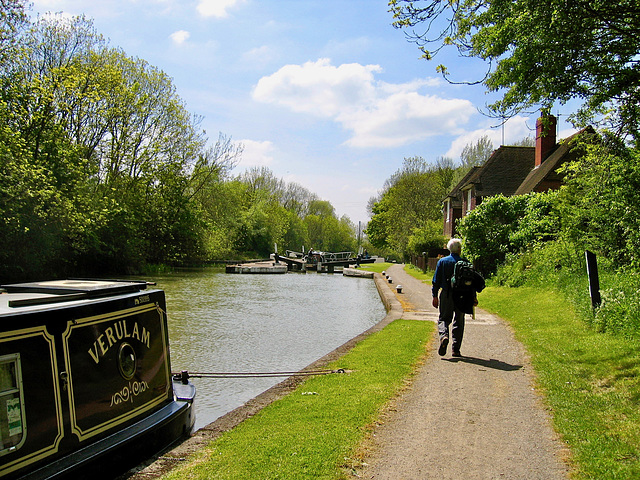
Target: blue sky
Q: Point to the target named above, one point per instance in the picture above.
(325, 93)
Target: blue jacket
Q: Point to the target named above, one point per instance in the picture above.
(444, 272)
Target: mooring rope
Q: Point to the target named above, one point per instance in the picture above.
(185, 375)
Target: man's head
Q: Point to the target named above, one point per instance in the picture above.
(455, 245)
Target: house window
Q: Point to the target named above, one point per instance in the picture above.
(447, 205)
(469, 200)
(12, 428)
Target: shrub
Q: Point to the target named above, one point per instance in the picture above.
(487, 229)
(542, 265)
(619, 312)
(426, 238)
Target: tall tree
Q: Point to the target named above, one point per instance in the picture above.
(12, 19)
(478, 153)
(409, 204)
(542, 52)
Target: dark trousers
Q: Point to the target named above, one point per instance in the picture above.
(450, 315)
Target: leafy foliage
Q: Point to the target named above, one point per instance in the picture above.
(601, 200)
(487, 229)
(539, 239)
(409, 206)
(427, 238)
(473, 155)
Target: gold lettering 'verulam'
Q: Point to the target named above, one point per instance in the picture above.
(118, 331)
(109, 333)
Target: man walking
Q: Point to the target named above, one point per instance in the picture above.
(450, 314)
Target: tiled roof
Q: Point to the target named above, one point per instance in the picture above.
(503, 172)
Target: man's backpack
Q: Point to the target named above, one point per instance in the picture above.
(464, 277)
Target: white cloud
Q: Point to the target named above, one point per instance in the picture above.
(403, 118)
(377, 114)
(180, 37)
(256, 154)
(216, 8)
(318, 87)
(564, 133)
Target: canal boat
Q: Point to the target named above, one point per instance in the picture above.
(86, 389)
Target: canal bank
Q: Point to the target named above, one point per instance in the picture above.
(162, 464)
(258, 323)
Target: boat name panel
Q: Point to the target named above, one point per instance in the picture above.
(119, 330)
(117, 367)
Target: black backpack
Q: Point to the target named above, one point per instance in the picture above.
(464, 277)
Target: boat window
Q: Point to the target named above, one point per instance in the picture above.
(11, 408)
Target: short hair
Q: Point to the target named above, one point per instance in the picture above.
(454, 245)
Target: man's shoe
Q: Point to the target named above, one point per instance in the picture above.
(456, 353)
(443, 346)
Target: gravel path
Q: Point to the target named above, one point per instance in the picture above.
(475, 417)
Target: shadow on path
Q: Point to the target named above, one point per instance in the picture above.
(492, 363)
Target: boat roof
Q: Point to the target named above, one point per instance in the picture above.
(39, 295)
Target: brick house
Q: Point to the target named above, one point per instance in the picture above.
(510, 171)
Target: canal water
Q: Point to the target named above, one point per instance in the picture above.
(259, 323)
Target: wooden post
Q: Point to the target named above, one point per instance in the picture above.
(594, 281)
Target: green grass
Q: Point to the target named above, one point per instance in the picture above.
(410, 269)
(316, 431)
(376, 267)
(590, 379)
(425, 277)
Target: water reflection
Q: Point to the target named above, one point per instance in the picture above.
(250, 323)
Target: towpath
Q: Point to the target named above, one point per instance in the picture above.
(475, 417)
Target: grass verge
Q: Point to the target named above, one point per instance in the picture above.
(376, 267)
(315, 431)
(590, 379)
(415, 272)
(410, 269)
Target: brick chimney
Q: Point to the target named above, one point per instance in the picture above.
(545, 137)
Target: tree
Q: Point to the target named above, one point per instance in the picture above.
(476, 154)
(12, 19)
(411, 200)
(380, 224)
(540, 53)
(427, 238)
(600, 201)
(93, 138)
(297, 199)
(525, 142)
(326, 231)
(48, 212)
(488, 228)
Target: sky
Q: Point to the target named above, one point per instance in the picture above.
(324, 93)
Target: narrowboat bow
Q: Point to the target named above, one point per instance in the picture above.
(85, 379)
